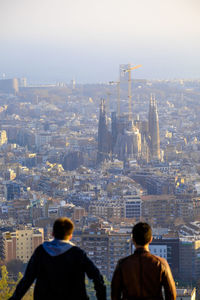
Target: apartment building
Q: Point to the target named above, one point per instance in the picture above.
(104, 247)
(132, 206)
(189, 258)
(21, 243)
(168, 248)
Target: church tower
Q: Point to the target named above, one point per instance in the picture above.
(154, 134)
(104, 136)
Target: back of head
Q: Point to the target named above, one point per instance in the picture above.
(142, 233)
(63, 228)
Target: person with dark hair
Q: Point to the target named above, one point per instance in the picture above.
(142, 276)
(59, 269)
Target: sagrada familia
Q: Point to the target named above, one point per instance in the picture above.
(128, 139)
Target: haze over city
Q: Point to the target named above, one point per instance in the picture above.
(87, 40)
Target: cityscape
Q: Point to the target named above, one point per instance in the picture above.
(107, 156)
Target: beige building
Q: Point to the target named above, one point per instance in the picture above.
(107, 208)
(20, 244)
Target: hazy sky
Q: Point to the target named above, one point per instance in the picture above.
(57, 40)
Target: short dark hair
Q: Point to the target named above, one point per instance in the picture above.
(62, 228)
(141, 233)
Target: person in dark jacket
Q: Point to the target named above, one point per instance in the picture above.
(141, 276)
(59, 269)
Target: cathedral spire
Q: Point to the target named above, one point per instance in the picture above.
(104, 136)
(154, 129)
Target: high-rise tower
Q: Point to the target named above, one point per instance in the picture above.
(104, 136)
(154, 130)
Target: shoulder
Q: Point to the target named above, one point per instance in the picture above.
(39, 250)
(124, 260)
(160, 259)
(77, 251)
(163, 262)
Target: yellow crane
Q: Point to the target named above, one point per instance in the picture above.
(129, 89)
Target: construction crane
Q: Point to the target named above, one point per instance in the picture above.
(129, 89)
(118, 94)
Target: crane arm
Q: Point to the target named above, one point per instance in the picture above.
(133, 68)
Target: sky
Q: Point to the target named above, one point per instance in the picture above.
(87, 40)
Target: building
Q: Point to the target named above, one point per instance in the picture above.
(156, 183)
(129, 139)
(154, 134)
(12, 190)
(96, 242)
(107, 208)
(186, 294)
(159, 209)
(168, 248)
(21, 243)
(119, 247)
(133, 207)
(104, 136)
(78, 213)
(126, 138)
(42, 138)
(166, 209)
(3, 137)
(189, 259)
(104, 247)
(10, 86)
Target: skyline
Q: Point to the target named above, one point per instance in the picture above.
(87, 41)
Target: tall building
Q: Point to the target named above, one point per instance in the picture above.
(154, 134)
(21, 243)
(12, 190)
(133, 207)
(119, 246)
(167, 247)
(189, 258)
(104, 247)
(104, 135)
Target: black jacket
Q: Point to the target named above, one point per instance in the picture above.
(60, 277)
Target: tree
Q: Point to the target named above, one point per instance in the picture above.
(6, 287)
(91, 292)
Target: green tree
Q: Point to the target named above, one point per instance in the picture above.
(6, 287)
